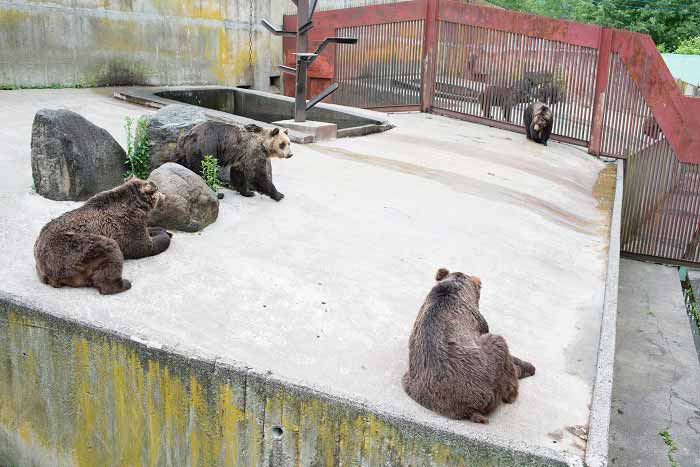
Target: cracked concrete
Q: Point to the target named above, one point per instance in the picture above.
(657, 373)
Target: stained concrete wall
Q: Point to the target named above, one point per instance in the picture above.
(72, 395)
(158, 42)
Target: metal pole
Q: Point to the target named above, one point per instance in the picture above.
(302, 45)
(601, 83)
(427, 85)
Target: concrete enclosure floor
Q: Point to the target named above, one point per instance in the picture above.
(322, 288)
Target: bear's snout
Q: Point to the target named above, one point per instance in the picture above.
(158, 199)
(289, 156)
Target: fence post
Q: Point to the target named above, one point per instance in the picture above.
(601, 83)
(427, 75)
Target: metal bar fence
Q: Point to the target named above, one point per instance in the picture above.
(607, 90)
(494, 75)
(383, 69)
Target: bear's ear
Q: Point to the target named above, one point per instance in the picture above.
(476, 280)
(275, 132)
(286, 131)
(149, 188)
(130, 178)
(441, 274)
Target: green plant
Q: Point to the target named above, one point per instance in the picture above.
(671, 447)
(79, 85)
(690, 46)
(210, 172)
(691, 304)
(137, 148)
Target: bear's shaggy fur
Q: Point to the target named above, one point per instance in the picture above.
(244, 151)
(550, 93)
(538, 121)
(86, 247)
(457, 368)
(504, 97)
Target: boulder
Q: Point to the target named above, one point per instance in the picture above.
(73, 159)
(187, 204)
(166, 126)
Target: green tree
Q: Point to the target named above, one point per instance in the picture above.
(689, 46)
(668, 22)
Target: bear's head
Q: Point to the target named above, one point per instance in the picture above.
(454, 281)
(541, 118)
(277, 143)
(145, 190)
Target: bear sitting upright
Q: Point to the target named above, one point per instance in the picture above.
(244, 151)
(455, 366)
(86, 247)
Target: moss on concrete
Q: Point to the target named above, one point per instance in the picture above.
(73, 395)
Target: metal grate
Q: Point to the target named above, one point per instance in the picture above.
(383, 69)
(481, 72)
(628, 124)
(661, 208)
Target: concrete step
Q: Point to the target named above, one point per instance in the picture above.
(656, 385)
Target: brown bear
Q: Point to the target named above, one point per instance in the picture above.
(86, 247)
(504, 97)
(244, 151)
(550, 93)
(457, 368)
(538, 121)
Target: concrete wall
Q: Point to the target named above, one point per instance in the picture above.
(71, 395)
(158, 42)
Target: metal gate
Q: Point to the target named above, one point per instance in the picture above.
(609, 90)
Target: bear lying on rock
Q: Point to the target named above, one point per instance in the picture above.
(244, 151)
(456, 367)
(86, 247)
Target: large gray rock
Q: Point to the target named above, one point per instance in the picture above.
(187, 204)
(166, 126)
(73, 159)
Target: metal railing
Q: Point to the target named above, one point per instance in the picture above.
(383, 70)
(609, 90)
(495, 74)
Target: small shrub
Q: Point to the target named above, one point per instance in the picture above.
(210, 172)
(690, 46)
(137, 148)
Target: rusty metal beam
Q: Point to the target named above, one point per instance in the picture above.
(427, 78)
(601, 84)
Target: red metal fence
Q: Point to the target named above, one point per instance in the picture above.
(609, 90)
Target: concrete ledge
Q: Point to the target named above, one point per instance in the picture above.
(375, 122)
(76, 395)
(601, 403)
(320, 131)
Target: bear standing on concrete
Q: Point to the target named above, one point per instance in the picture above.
(86, 247)
(456, 367)
(244, 151)
(538, 121)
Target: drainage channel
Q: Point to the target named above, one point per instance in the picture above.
(691, 305)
